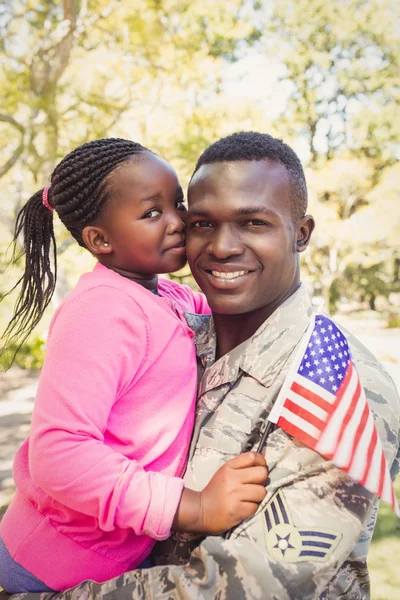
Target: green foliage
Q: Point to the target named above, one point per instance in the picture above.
(30, 356)
(393, 322)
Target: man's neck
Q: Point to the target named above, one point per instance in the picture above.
(232, 330)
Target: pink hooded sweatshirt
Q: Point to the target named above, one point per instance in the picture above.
(99, 478)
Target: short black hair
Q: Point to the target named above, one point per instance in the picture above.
(251, 145)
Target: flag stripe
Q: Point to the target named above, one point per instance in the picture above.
(328, 441)
(357, 437)
(304, 414)
(350, 410)
(313, 397)
(370, 455)
(358, 466)
(346, 436)
(297, 432)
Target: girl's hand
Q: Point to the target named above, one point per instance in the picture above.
(233, 494)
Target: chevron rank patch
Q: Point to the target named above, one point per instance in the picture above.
(288, 543)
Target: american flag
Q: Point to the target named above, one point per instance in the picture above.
(323, 405)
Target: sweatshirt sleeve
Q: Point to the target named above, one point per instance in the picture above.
(96, 351)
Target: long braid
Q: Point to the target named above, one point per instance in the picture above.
(79, 191)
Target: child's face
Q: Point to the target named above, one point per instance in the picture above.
(144, 222)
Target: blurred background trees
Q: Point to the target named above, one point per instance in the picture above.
(178, 74)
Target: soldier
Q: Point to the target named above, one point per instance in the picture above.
(246, 226)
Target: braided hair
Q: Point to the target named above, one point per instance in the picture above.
(79, 192)
(251, 145)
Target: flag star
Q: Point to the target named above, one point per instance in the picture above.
(343, 364)
(318, 342)
(328, 369)
(345, 352)
(319, 322)
(323, 330)
(310, 345)
(331, 378)
(326, 339)
(340, 355)
(316, 362)
(301, 368)
(314, 333)
(342, 344)
(340, 376)
(322, 379)
(321, 351)
(333, 336)
(313, 353)
(319, 371)
(329, 348)
(311, 373)
(334, 387)
(330, 327)
(336, 346)
(336, 367)
(308, 365)
(306, 356)
(333, 357)
(324, 360)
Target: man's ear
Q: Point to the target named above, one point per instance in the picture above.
(96, 240)
(304, 228)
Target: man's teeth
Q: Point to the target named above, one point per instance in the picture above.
(228, 275)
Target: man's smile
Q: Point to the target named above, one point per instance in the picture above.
(226, 276)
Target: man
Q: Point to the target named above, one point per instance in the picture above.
(246, 226)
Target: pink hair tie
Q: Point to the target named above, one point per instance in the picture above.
(45, 202)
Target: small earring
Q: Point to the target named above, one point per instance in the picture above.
(106, 244)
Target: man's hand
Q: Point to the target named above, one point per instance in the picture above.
(233, 494)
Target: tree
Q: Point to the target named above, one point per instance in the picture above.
(342, 72)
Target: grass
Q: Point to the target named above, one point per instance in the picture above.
(384, 554)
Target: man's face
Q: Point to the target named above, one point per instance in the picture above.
(242, 241)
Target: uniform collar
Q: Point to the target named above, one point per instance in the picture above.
(263, 355)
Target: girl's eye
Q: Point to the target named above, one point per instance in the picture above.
(152, 214)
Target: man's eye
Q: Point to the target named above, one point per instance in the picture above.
(256, 223)
(152, 214)
(202, 224)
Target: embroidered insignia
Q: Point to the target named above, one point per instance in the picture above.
(288, 543)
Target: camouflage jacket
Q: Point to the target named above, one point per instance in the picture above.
(310, 537)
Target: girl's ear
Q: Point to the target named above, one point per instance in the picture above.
(304, 228)
(96, 240)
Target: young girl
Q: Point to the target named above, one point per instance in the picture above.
(99, 478)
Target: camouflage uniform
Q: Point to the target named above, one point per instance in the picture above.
(310, 537)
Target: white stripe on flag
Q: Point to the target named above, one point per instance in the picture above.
(360, 455)
(300, 423)
(374, 470)
(343, 452)
(316, 389)
(328, 442)
(309, 405)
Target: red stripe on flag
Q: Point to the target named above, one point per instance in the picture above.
(312, 396)
(304, 414)
(297, 433)
(339, 396)
(350, 411)
(370, 453)
(361, 426)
